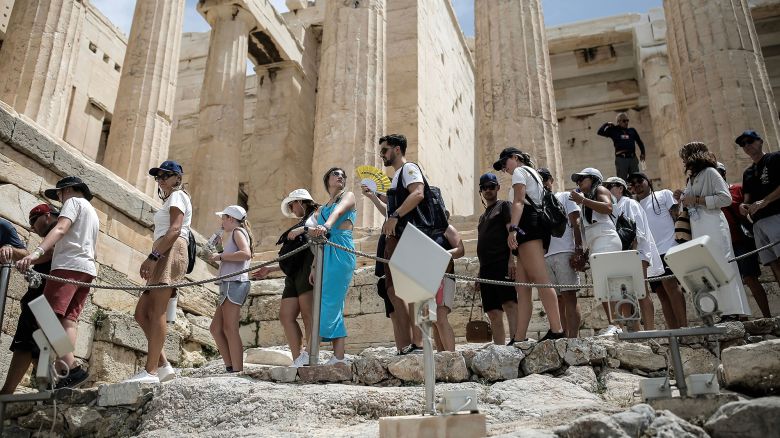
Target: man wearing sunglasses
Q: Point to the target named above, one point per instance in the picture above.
(761, 188)
(495, 260)
(625, 140)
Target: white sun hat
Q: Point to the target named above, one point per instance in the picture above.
(295, 195)
(235, 211)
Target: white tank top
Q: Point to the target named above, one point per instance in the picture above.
(226, 267)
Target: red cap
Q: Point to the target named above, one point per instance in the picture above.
(39, 210)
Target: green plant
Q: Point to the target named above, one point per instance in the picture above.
(209, 352)
(98, 317)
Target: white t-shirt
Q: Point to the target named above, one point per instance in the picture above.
(76, 250)
(533, 187)
(162, 218)
(645, 243)
(412, 174)
(564, 243)
(659, 219)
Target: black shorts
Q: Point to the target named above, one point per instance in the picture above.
(656, 284)
(493, 296)
(381, 290)
(23, 338)
(531, 228)
(298, 283)
(748, 266)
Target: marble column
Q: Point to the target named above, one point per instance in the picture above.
(351, 97)
(667, 129)
(720, 78)
(38, 59)
(515, 99)
(141, 124)
(214, 176)
(282, 143)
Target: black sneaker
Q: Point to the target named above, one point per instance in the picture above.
(228, 369)
(511, 342)
(74, 379)
(552, 335)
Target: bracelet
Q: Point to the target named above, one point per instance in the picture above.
(154, 256)
(305, 229)
(38, 252)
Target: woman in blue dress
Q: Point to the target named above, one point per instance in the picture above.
(336, 217)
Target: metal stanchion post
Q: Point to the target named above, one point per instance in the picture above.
(679, 374)
(5, 278)
(314, 341)
(429, 364)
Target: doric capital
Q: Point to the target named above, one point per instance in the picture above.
(220, 10)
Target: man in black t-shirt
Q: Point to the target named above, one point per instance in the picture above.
(625, 140)
(761, 188)
(42, 219)
(495, 260)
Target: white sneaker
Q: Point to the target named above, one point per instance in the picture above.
(301, 360)
(143, 377)
(166, 373)
(611, 331)
(333, 361)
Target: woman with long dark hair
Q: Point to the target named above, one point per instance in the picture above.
(335, 219)
(705, 194)
(527, 239)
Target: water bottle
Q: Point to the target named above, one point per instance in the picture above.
(170, 313)
(214, 242)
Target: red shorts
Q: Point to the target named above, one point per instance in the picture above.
(67, 300)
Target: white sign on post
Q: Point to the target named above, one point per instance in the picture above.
(417, 265)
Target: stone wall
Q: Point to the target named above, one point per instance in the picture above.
(110, 341)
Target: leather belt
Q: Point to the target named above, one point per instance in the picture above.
(625, 154)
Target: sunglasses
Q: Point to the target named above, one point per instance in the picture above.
(612, 186)
(384, 150)
(163, 176)
(487, 187)
(34, 219)
(636, 182)
(338, 173)
(747, 142)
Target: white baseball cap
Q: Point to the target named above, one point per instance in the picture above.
(235, 211)
(588, 171)
(295, 195)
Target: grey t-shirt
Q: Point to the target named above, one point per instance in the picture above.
(76, 250)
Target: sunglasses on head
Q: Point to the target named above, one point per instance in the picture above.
(163, 176)
(488, 187)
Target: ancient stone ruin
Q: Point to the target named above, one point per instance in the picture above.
(78, 97)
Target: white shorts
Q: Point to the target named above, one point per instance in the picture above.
(561, 272)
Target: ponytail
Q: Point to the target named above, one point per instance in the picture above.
(248, 228)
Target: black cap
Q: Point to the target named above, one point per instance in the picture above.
(638, 175)
(69, 181)
(488, 178)
(506, 153)
(545, 172)
(167, 166)
(747, 134)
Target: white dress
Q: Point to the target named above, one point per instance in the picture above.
(708, 220)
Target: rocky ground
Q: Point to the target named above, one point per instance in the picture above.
(567, 388)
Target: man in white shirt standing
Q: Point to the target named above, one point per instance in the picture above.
(74, 239)
(558, 259)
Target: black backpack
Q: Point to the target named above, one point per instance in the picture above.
(553, 215)
(430, 215)
(291, 264)
(626, 229)
(192, 252)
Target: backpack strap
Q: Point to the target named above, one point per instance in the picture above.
(528, 198)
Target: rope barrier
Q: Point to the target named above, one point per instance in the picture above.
(33, 276)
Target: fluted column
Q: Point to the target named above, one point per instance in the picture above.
(515, 99)
(720, 78)
(141, 125)
(351, 98)
(282, 142)
(214, 175)
(38, 58)
(667, 129)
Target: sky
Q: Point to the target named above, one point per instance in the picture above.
(556, 12)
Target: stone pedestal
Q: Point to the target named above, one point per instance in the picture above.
(141, 125)
(213, 178)
(38, 58)
(282, 143)
(515, 100)
(458, 425)
(351, 97)
(720, 79)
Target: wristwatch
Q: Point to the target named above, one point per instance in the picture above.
(514, 227)
(395, 215)
(154, 256)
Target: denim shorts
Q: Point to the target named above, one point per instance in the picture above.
(235, 292)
